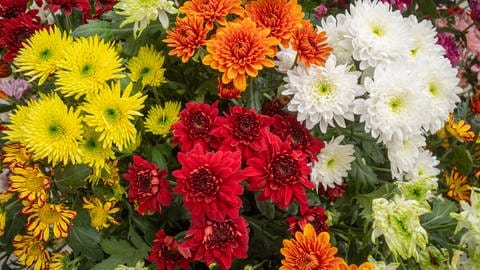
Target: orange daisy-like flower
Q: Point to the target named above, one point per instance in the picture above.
(309, 251)
(363, 266)
(43, 218)
(227, 91)
(212, 10)
(282, 17)
(30, 183)
(458, 186)
(240, 49)
(186, 37)
(311, 46)
(31, 252)
(460, 130)
(15, 153)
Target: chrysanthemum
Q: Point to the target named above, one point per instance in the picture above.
(238, 50)
(424, 166)
(210, 183)
(451, 48)
(167, 253)
(309, 251)
(213, 10)
(160, 119)
(93, 152)
(111, 113)
(323, 95)
(334, 162)
(87, 66)
(187, 35)
(282, 17)
(458, 185)
(100, 213)
(31, 252)
(419, 189)
(280, 173)
(220, 242)
(12, 8)
(42, 220)
(315, 216)
(242, 129)
(30, 183)
(15, 153)
(398, 221)
(15, 31)
(66, 6)
(460, 130)
(41, 53)
(424, 38)
(149, 188)
(197, 121)
(310, 44)
(378, 35)
(14, 87)
(363, 266)
(141, 13)
(403, 155)
(227, 90)
(336, 29)
(58, 261)
(333, 193)
(147, 66)
(285, 59)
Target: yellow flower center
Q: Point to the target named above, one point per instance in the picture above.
(46, 54)
(395, 104)
(47, 215)
(35, 183)
(330, 163)
(325, 88)
(378, 31)
(98, 217)
(35, 250)
(55, 130)
(433, 89)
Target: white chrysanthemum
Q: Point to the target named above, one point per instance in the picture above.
(404, 154)
(425, 166)
(333, 164)
(424, 37)
(379, 35)
(440, 87)
(396, 103)
(323, 94)
(398, 221)
(286, 58)
(336, 28)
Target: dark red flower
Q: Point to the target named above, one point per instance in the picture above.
(166, 253)
(219, 242)
(280, 172)
(101, 7)
(12, 8)
(196, 123)
(275, 106)
(210, 183)
(227, 91)
(67, 5)
(451, 48)
(5, 70)
(242, 129)
(149, 188)
(314, 215)
(14, 31)
(333, 193)
(288, 128)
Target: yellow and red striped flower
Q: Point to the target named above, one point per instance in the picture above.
(30, 183)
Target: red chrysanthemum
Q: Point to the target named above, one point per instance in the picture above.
(14, 31)
(227, 91)
(314, 215)
(210, 183)
(242, 129)
(187, 35)
(196, 123)
(5, 70)
(12, 8)
(166, 253)
(67, 5)
(149, 188)
(288, 128)
(333, 193)
(275, 106)
(280, 172)
(219, 242)
(311, 46)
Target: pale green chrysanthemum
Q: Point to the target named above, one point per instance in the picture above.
(93, 151)
(159, 120)
(87, 66)
(142, 12)
(49, 129)
(419, 189)
(433, 258)
(138, 266)
(147, 65)
(381, 265)
(41, 53)
(399, 222)
(111, 112)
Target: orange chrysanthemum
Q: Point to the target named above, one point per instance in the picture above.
(212, 10)
(363, 266)
(460, 130)
(458, 185)
(309, 251)
(282, 17)
(227, 91)
(240, 49)
(186, 37)
(15, 153)
(30, 183)
(311, 46)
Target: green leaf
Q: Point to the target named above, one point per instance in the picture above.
(71, 177)
(6, 108)
(95, 27)
(462, 158)
(361, 174)
(428, 7)
(85, 239)
(266, 208)
(373, 151)
(122, 252)
(158, 157)
(440, 215)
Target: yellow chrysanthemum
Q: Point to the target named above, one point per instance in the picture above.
(31, 252)
(93, 152)
(15, 153)
(110, 112)
(458, 185)
(41, 53)
(87, 66)
(50, 130)
(5, 196)
(3, 219)
(159, 120)
(147, 65)
(100, 213)
(59, 261)
(30, 183)
(460, 130)
(18, 117)
(48, 217)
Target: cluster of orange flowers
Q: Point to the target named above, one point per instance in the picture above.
(239, 49)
